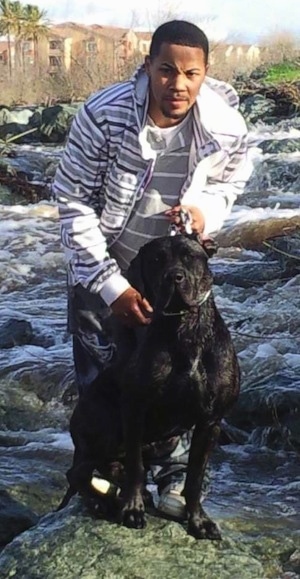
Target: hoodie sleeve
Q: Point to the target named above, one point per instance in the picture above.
(220, 177)
(226, 180)
(78, 178)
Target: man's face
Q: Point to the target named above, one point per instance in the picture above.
(176, 76)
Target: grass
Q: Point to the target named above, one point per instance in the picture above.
(283, 72)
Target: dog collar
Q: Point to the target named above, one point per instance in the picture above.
(182, 312)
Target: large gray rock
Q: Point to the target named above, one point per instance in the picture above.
(14, 518)
(71, 544)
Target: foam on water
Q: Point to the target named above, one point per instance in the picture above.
(264, 321)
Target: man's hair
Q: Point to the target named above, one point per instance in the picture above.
(179, 32)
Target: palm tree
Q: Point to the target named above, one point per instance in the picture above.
(23, 23)
(35, 27)
(16, 11)
(7, 27)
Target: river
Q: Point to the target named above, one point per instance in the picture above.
(255, 471)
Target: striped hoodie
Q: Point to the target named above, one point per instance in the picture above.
(107, 164)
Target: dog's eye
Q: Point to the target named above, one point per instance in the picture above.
(158, 259)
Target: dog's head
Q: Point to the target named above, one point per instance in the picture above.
(172, 273)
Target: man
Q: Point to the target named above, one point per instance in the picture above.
(138, 153)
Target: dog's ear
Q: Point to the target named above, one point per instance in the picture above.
(210, 246)
(135, 274)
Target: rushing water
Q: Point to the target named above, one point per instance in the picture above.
(256, 476)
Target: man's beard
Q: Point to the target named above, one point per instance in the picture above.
(173, 115)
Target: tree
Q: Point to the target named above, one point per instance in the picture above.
(35, 27)
(6, 27)
(16, 11)
(279, 47)
(22, 23)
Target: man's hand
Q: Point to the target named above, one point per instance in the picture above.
(132, 309)
(197, 218)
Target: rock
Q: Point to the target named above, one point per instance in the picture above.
(14, 518)
(268, 102)
(272, 401)
(274, 180)
(15, 333)
(280, 259)
(249, 274)
(276, 147)
(72, 544)
(37, 124)
(56, 121)
(21, 407)
(253, 234)
(256, 108)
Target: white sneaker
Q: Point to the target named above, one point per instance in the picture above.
(172, 502)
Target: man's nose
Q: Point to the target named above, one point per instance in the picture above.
(178, 82)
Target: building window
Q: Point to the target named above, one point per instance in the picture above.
(55, 61)
(55, 44)
(91, 47)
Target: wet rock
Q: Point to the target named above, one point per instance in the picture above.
(19, 115)
(15, 333)
(33, 469)
(14, 518)
(22, 405)
(250, 274)
(253, 234)
(56, 122)
(256, 108)
(73, 544)
(291, 565)
(16, 122)
(279, 259)
(274, 401)
(29, 173)
(286, 96)
(273, 174)
(37, 124)
(269, 102)
(276, 147)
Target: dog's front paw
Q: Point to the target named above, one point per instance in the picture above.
(133, 513)
(203, 528)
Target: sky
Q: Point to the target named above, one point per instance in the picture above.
(240, 20)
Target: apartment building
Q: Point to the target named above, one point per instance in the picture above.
(70, 45)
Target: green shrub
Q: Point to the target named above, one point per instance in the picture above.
(283, 72)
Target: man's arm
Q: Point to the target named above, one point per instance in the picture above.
(78, 180)
(77, 184)
(227, 180)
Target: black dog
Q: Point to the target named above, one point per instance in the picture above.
(179, 372)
